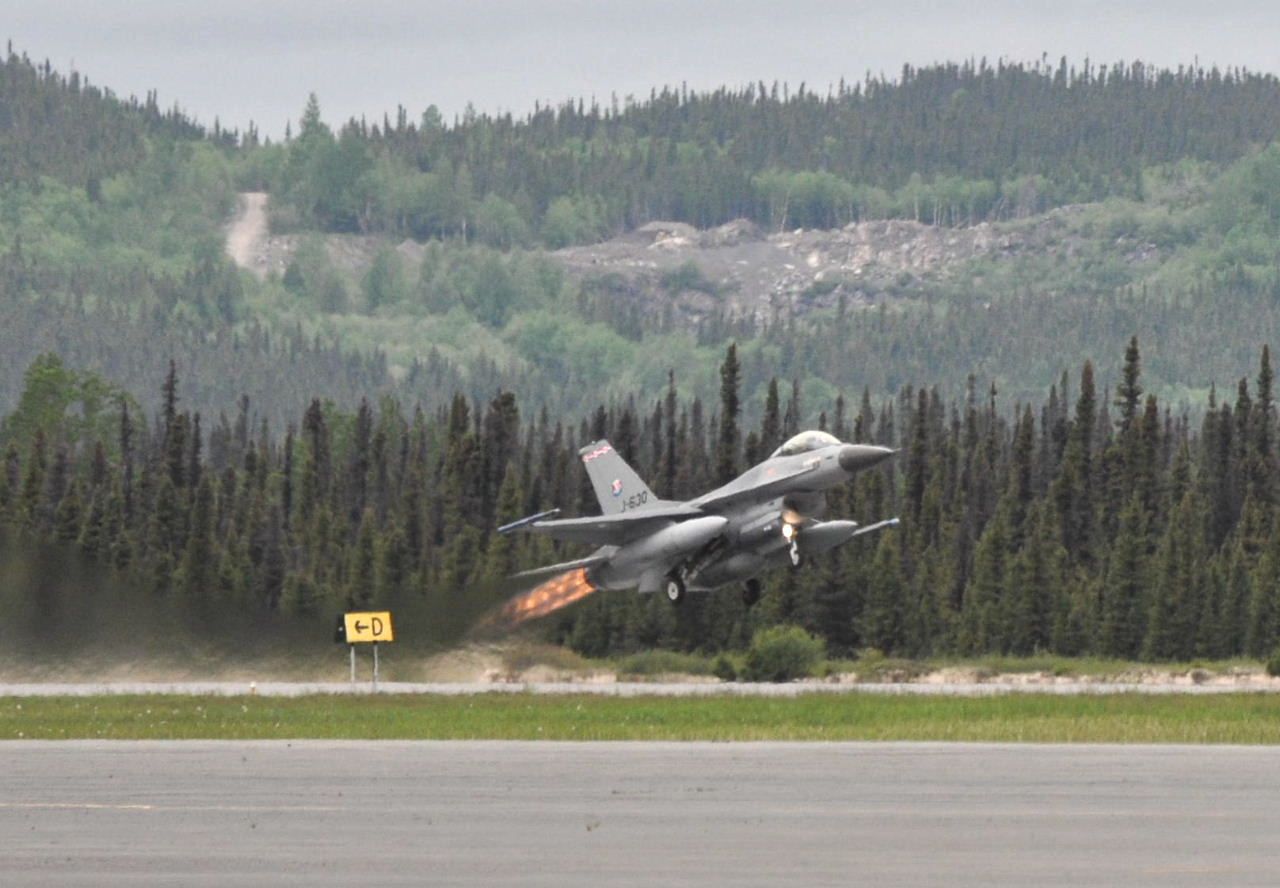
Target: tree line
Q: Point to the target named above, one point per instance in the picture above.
(1095, 522)
(948, 144)
(61, 126)
(85, 271)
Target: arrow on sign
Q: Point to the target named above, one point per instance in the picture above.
(368, 626)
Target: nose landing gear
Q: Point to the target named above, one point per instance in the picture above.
(791, 535)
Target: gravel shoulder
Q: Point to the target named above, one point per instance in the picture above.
(624, 689)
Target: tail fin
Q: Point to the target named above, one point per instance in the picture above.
(616, 484)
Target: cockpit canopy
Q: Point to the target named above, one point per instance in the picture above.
(804, 442)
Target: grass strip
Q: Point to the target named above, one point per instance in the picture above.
(1031, 718)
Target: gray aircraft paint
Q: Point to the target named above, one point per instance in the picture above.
(768, 515)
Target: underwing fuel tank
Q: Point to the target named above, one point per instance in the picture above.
(678, 539)
(827, 535)
(730, 570)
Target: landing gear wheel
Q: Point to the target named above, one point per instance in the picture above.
(795, 553)
(750, 592)
(674, 587)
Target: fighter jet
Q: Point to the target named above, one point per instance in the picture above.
(769, 515)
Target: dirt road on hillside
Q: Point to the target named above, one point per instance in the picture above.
(247, 233)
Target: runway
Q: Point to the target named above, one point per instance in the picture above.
(612, 814)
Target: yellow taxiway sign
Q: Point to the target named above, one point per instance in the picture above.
(364, 627)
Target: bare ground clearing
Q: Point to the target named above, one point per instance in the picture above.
(551, 670)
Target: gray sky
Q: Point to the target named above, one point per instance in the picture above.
(243, 60)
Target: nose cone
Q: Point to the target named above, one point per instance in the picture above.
(856, 457)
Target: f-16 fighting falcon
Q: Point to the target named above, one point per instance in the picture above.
(768, 515)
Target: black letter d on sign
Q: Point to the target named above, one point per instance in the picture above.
(377, 625)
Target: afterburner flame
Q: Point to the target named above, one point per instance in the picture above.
(546, 598)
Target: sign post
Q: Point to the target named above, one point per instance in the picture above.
(365, 627)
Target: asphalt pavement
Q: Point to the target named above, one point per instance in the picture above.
(613, 814)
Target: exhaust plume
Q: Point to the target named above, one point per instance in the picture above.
(555, 593)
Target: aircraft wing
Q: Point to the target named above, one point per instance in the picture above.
(766, 488)
(612, 530)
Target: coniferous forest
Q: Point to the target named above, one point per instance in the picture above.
(1085, 415)
(1093, 522)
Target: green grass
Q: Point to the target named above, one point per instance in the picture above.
(1033, 718)
(646, 664)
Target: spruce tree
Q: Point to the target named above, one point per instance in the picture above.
(30, 516)
(730, 408)
(1129, 392)
(69, 514)
(198, 560)
(1124, 590)
(881, 622)
(1179, 587)
(771, 424)
(361, 570)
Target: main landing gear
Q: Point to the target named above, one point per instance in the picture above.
(674, 588)
(794, 552)
(751, 592)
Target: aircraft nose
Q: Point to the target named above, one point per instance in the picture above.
(856, 457)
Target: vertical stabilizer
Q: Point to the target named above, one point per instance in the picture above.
(616, 484)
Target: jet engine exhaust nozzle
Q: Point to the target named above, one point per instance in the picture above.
(856, 457)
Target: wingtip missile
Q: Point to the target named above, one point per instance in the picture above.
(525, 522)
(879, 525)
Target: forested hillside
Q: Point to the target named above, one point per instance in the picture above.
(112, 215)
(1082, 525)
(947, 144)
(114, 260)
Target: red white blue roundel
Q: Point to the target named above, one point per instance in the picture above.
(616, 487)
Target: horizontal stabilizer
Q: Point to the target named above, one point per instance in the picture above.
(539, 573)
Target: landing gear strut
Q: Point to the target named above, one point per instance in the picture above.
(750, 592)
(674, 588)
(790, 534)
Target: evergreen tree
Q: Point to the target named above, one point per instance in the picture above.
(1124, 591)
(730, 408)
(1179, 588)
(771, 425)
(881, 623)
(1129, 392)
(198, 558)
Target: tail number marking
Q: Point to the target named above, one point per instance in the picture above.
(635, 501)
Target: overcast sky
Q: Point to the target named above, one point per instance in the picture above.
(243, 60)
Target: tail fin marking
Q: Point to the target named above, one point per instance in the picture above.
(617, 486)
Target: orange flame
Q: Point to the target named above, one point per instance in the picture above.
(555, 593)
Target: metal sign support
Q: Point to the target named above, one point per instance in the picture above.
(375, 667)
(352, 648)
